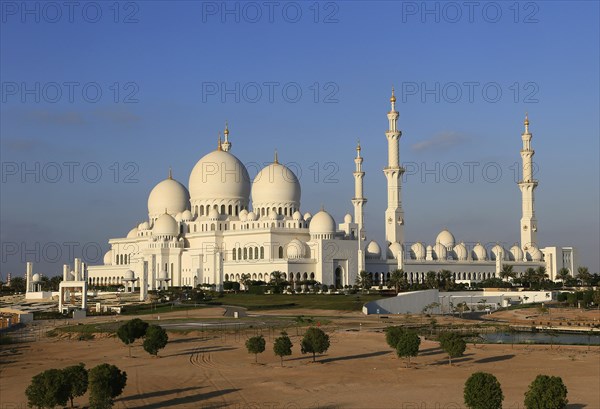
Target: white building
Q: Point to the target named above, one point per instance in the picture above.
(211, 234)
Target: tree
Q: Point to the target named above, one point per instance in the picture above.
(528, 276)
(461, 308)
(596, 298)
(106, 382)
(156, 338)
(278, 279)
(18, 284)
(397, 279)
(132, 330)
(76, 377)
(583, 275)
(282, 346)
(315, 341)
(408, 345)
(507, 272)
(255, 345)
(446, 279)
(483, 391)
(453, 344)
(546, 392)
(364, 280)
(55, 283)
(48, 389)
(245, 279)
(431, 279)
(562, 275)
(392, 336)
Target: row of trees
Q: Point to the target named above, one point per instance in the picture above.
(406, 343)
(483, 391)
(55, 387)
(315, 341)
(155, 337)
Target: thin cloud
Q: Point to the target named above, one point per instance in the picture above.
(441, 141)
(56, 118)
(21, 145)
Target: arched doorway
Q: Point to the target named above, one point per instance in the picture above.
(337, 277)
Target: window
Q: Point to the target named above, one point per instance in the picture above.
(262, 252)
(280, 252)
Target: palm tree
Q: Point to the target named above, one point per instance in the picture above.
(507, 272)
(397, 279)
(562, 275)
(529, 276)
(540, 274)
(277, 279)
(364, 280)
(245, 280)
(446, 278)
(431, 279)
(583, 275)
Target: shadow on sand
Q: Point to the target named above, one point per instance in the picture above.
(183, 400)
(494, 359)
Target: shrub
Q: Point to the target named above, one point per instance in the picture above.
(156, 339)
(282, 346)
(546, 392)
(483, 391)
(315, 341)
(408, 345)
(105, 382)
(255, 345)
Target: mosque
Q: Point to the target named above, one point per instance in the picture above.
(224, 225)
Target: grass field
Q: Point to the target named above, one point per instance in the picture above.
(311, 301)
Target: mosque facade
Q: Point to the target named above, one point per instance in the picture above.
(223, 225)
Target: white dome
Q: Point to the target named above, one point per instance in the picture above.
(439, 250)
(251, 216)
(275, 184)
(165, 225)
(132, 233)
(373, 250)
(169, 195)
(446, 238)
(418, 251)
(128, 275)
(187, 216)
(394, 250)
(144, 225)
(213, 214)
(297, 215)
(220, 175)
(517, 253)
(322, 223)
(498, 252)
(244, 215)
(178, 217)
(107, 258)
(36, 278)
(534, 253)
(461, 251)
(479, 252)
(348, 218)
(307, 216)
(296, 249)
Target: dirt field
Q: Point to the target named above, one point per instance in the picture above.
(359, 371)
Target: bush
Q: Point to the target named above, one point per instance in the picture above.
(282, 346)
(408, 345)
(546, 392)
(453, 344)
(255, 345)
(76, 377)
(156, 339)
(315, 341)
(132, 330)
(106, 382)
(48, 389)
(483, 391)
(392, 336)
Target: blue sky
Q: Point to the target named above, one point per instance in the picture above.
(131, 90)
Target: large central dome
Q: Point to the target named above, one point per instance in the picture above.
(219, 178)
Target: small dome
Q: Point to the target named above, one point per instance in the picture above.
(394, 251)
(213, 214)
(417, 251)
(479, 252)
(461, 251)
(348, 218)
(107, 258)
(178, 217)
(439, 250)
(373, 250)
(516, 253)
(498, 252)
(297, 215)
(128, 275)
(446, 238)
(165, 225)
(143, 226)
(251, 216)
(275, 184)
(187, 216)
(307, 216)
(322, 223)
(244, 215)
(296, 249)
(132, 233)
(36, 278)
(170, 195)
(534, 254)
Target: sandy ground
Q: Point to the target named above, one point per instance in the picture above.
(211, 370)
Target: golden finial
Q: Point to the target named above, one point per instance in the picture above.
(170, 173)
(393, 98)
(526, 119)
(276, 160)
(358, 145)
(226, 131)
(219, 148)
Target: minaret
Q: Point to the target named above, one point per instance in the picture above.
(226, 146)
(394, 215)
(358, 201)
(527, 186)
(219, 143)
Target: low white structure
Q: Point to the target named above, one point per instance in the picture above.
(33, 289)
(74, 284)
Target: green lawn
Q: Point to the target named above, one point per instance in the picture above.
(313, 301)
